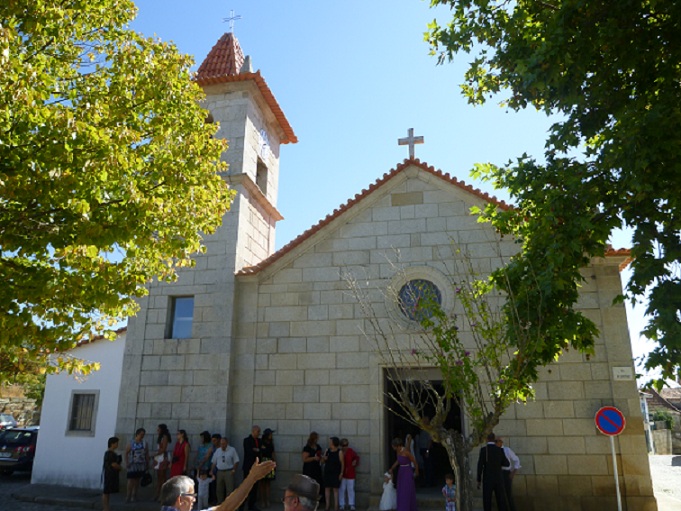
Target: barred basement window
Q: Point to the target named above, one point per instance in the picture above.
(83, 412)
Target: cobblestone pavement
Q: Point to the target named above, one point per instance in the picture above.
(665, 471)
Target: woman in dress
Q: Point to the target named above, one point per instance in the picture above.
(333, 472)
(312, 456)
(137, 462)
(408, 470)
(180, 455)
(161, 458)
(266, 454)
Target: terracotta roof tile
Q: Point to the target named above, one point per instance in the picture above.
(251, 270)
(224, 59)
(360, 196)
(223, 65)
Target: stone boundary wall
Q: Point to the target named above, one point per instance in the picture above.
(23, 409)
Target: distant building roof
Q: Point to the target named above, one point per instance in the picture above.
(672, 395)
(657, 402)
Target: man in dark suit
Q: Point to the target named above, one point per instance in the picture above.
(490, 461)
(251, 452)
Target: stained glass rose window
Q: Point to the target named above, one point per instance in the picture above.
(418, 293)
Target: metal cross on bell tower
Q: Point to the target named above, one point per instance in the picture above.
(231, 19)
(411, 141)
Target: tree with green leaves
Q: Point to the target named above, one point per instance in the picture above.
(611, 75)
(479, 372)
(109, 174)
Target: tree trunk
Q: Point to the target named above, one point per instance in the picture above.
(458, 450)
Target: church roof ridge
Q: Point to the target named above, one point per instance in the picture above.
(224, 63)
(251, 270)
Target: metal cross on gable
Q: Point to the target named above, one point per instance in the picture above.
(411, 141)
(231, 19)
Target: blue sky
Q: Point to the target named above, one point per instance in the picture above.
(352, 77)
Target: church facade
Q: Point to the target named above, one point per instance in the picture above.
(253, 336)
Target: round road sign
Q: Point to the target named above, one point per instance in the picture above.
(610, 421)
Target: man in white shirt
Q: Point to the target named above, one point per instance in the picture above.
(225, 461)
(509, 472)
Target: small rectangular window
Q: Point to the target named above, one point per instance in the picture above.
(181, 317)
(261, 176)
(83, 412)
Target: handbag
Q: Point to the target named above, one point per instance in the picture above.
(146, 479)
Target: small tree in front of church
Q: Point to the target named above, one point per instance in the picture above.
(486, 363)
(109, 174)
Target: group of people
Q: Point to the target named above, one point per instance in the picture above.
(334, 469)
(212, 469)
(497, 465)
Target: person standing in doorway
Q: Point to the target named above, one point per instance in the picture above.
(408, 469)
(425, 445)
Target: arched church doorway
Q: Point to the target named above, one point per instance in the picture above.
(398, 426)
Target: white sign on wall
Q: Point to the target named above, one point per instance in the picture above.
(623, 373)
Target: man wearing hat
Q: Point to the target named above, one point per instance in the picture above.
(302, 494)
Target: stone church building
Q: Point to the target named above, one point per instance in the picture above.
(253, 336)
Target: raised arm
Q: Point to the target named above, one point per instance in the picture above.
(237, 497)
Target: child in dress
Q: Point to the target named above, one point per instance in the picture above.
(389, 497)
(449, 493)
(203, 488)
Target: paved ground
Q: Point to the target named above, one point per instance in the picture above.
(666, 473)
(17, 494)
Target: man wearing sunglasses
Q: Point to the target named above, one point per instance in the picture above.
(178, 493)
(302, 494)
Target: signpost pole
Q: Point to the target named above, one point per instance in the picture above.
(614, 469)
(610, 421)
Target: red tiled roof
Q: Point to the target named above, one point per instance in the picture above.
(360, 196)
(251, 270)
(224, 59)
(90, 340)
(223, 65)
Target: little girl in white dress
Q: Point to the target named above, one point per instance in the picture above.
(389, 497)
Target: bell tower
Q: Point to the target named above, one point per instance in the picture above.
(254, 125)
(178, 356)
